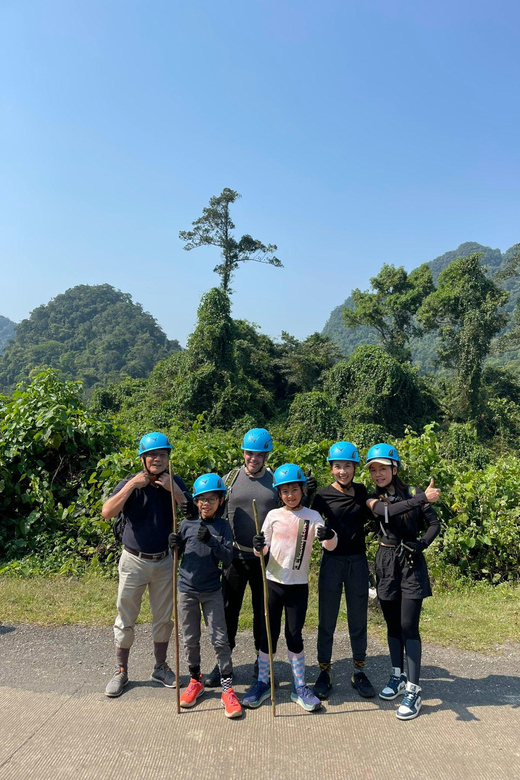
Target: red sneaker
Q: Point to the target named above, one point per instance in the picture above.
(191, 694)
(232, 707)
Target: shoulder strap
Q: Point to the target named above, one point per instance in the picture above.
(231, 478)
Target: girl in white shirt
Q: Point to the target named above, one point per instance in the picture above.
(287, 535)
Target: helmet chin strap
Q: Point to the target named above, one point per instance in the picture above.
(153, 477)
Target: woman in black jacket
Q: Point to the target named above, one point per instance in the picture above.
(402, 575)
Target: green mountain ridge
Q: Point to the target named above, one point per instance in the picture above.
(93, 333)
(424, 349)
(7, 329)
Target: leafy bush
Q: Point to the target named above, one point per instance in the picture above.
(371, 387)
(312, 416)
(49, 446)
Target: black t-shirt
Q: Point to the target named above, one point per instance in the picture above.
(148, 514)
(346, 515)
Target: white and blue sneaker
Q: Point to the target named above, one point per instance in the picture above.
(303, 696)
(411, 703)
(258, 692)
(395, 685)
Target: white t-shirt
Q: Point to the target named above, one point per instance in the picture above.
(289, 535)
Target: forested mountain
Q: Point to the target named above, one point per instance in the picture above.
(93, 333)
(424, 350)
(7, 328)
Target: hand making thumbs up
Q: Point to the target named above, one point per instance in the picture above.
(432, 493)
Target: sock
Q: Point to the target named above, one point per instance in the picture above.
(263, 667)
(325, 667)
(160, 649)
(226, 683)
(359, 666)
(122, 654)
(298, 667)
(195, 672)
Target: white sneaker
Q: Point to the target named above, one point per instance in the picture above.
(411, 703)
(395, 685)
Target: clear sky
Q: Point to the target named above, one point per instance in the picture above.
(357, 131)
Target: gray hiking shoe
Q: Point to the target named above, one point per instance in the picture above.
(164, 675)
(117, 682)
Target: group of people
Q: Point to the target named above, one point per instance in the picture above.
(220, 550)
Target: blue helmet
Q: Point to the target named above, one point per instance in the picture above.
(257, 440)
(207, 483)
(344, 450)
(154, 441)
(289, 472)
(383, 453)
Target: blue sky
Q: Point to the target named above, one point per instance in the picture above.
(358, 132)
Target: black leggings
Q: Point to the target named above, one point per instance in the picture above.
(294, 598)
(402, 622)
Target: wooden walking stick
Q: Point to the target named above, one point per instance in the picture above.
(175, 605)
(266, 613)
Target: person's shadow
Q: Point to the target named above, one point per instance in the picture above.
(459, 694)
(6, 629)
(442, 690)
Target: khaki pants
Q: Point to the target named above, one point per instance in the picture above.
(134, 575)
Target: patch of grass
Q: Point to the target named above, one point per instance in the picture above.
(54, 601)
(469, 617)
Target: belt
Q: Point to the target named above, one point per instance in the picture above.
(147, 556)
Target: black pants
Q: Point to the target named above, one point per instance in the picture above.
(236, 577)
(402, 622)
(294, 599)
(338, 573)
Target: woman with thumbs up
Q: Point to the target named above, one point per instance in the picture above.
(402, 576)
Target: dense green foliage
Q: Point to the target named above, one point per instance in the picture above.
(49, 446)
(58, 463)
(466, 311)
(59, 457)
(424, 350)
(229, 372)
(7, 329)
(92, 333)
(215, 228)
(391, 307)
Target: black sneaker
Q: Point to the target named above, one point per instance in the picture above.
(323, 685)
(213, 678)
(362, 684)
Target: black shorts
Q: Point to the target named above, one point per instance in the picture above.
(400, 576)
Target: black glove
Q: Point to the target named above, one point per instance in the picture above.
(311, 483)
(259, 542)
(174, 540)
(203, 534)
(188, 507)
(324, 532)
(414, 547)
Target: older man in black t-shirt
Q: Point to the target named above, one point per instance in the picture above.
(144, 499)
(343, 505)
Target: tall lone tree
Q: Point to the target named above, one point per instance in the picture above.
(214, 228)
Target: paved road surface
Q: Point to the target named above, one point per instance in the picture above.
(56, 722)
